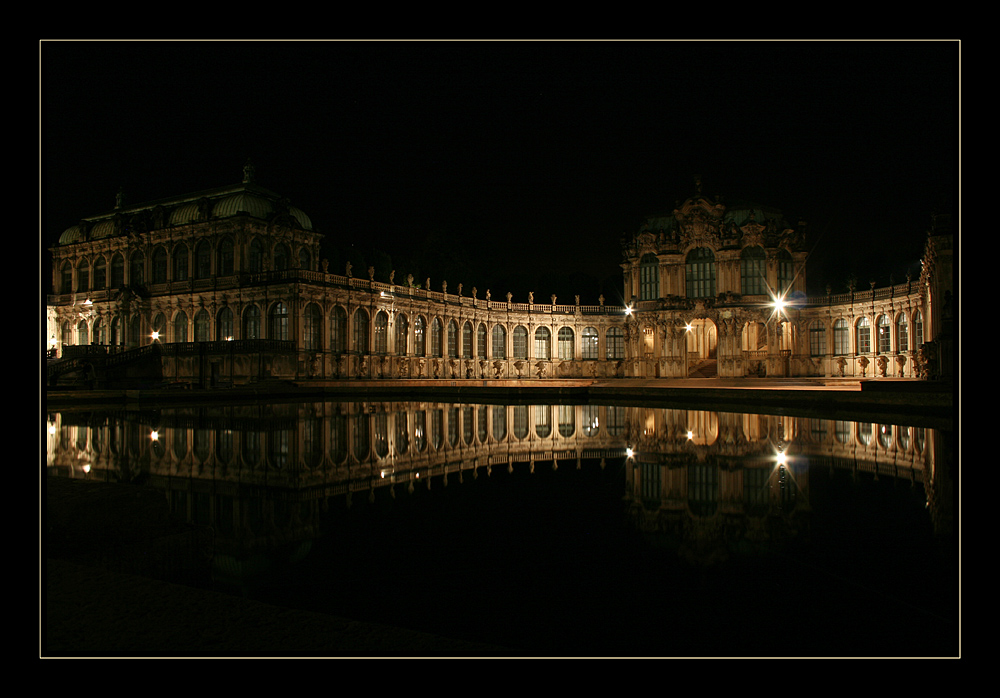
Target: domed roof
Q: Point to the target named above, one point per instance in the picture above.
(243, 202)
(71, 234)
(184, 214)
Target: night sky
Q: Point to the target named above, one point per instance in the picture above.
(510, 165)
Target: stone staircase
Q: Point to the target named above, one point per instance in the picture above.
(706, 368)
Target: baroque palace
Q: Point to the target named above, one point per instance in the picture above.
(227, 287)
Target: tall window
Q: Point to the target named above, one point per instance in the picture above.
(903, 333)
(338, 330)
(543, 343)
(181, 263)
(224, 324)
(786, 271)
(100, 332)
(381, 332)
(361, 331)
(202, 260)
(467, 340)
(278, 322)
(588, 343)
(481, 341)
(817, 338)
(305, 259)
(567, 420)
(181, 327)
(81, 333)
(402, 327)
(251, 322)
(499, 422)
(565, 344)
(649, 277)
(117, 271)
(419, 329)
(136, 267)
(436, 338)
(841, 343)
(615, 339)
(753, 271)
(700, 273)
(864, 336)
(312, 328)
(226, 256)
(884, 334)
(520, 421)
(201, 326)
(918, 330)
(543, 420)
(499, 342)
(452, 339)
(82, 277)
(520, 342)
(256, 261)
(66, 278)
(100, 273)
(281, 257)
(159, 265)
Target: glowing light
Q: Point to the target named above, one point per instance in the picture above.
(86, 468)
(52, 341)
(688, 327)
(155, 336)
(229, 339)
(782, 459)
(88, 302)
(52, 429)
(154, 435)
(629, 452)
(690, 435)
(628, 309)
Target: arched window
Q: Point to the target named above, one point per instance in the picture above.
(543, 343)
(117, 271)
(305, 259)
(817, 338)
(277, 326)
(135, 331)
(436, 338)
(902, 333)
(864, 336)
(588, 343)
(753, 271)
(256, 261)
(565, 344)
(567, 420)
(700, 273)
(312, 328)
(117, 336)
(66, 278)
(520, 421)
(452, 339)
(159, 265)
(81, 333)
(202, 260)
(159, 328)
(419, 331)
(100, 273)
(649, 277)
(786, 271)
(402, 328)
(201, 321)
(361, 331)
(281, 257)
(82, 277)
(884, 334)
(181, 326)
(615, 340)
(467, 340)
(181, 263)
(841, 343)
(520, 341)
(591, 423)
(481, 341)
(226, 257)
(499, 342)
(918, 330)
(100, 332)
(251, 322)
(338, 330)
(136, 266)
(543, 419)
(499, 422)
(381, 331)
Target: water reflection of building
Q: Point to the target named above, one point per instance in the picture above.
(707, 481)
(226, 286)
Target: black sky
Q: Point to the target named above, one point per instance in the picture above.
(483, 158)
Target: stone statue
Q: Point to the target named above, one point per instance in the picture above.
(497, 369)
(509, 296)
(460, 289)
(540, 369)
(578, 300)
(600, 299)
(409, 280)
(428, 285)
(863, 363)
(473, 292)
(901, 362)
(841, 365)
(371, 273)
(487, 294)
(347, 273)
(553, 299)
(392, 277)
(881, 362)
(444, 287)
(531, 297)
(326, 265)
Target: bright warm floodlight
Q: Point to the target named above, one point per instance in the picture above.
(628, 309)
(782, 459)
(154, 435)
(688, 327)
(155, 335)
(629, 452)
(690, 435)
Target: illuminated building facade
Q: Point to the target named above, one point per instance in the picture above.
(227, 287)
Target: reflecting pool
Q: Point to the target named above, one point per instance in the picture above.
(557, 530)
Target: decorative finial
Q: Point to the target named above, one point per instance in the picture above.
(248, 172)
(119, 198)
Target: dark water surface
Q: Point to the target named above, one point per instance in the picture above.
(561, 530)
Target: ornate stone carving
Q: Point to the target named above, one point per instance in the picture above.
(863, 363)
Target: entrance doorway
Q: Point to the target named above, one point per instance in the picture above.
(702, 341)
